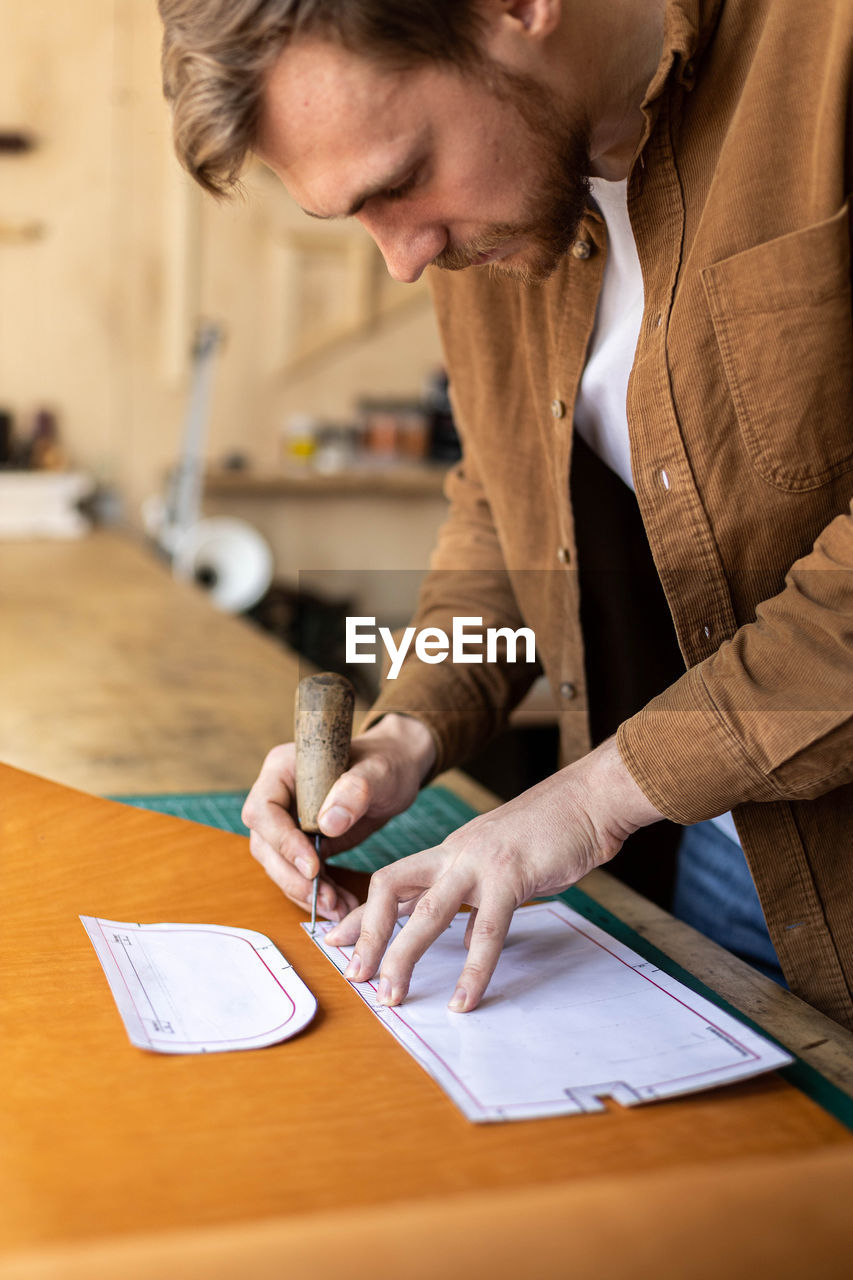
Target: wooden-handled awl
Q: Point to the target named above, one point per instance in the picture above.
(322, 733)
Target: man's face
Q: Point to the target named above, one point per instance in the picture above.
(439, 167)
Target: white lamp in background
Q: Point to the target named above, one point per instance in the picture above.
(228, 558)
(225, 556)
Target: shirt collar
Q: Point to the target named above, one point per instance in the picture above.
(688, 26)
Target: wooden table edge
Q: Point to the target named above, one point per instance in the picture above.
(605, 1231)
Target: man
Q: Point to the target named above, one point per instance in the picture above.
(642, 210)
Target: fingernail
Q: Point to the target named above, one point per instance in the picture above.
(305, 867)
(353, 969)
(328, 898)
(457, 1004)
(335, 821)
(384, 992)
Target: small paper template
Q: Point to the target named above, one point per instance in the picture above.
(199, 988)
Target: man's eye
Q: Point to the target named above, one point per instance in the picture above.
(397, 193)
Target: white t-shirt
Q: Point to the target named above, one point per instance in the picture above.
(601, 415)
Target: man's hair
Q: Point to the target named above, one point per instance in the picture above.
(217, 54)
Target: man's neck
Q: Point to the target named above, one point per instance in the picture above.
(616, 46)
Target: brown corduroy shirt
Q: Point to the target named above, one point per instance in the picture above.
(740, 412)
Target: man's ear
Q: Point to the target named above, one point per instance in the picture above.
(532, 18)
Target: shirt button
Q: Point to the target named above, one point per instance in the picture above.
(564, 555)
(581, 249)
(664, 479)
(689, 71)
(558, 408)
(568, 691)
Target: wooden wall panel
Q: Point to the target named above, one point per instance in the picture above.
(96, 315)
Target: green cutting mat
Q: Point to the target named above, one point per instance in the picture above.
(209, 808)
(435, 813)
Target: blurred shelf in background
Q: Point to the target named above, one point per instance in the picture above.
(399, 481)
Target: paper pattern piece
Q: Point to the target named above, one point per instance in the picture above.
(571, 1016)
(199, 988)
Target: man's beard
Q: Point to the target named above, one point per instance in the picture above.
(555, 208)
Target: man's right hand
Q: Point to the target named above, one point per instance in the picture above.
(388, 763)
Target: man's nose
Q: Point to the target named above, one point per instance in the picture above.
(407, 251)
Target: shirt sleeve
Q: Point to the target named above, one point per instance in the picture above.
(462, 704)
(769, 716)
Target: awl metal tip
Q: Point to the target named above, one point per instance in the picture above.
(317, 839)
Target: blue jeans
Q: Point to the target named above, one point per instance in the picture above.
(714, 892)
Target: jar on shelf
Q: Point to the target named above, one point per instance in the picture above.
(299, 441)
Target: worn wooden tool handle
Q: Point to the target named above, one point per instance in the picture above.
(322, 733)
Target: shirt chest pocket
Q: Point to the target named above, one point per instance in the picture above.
(782, 318)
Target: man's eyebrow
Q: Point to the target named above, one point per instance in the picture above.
(388, 183)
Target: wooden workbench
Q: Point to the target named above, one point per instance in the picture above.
(333, 1150)
(115, 678)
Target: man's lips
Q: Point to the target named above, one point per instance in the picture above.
(457, 259)
(494, 255)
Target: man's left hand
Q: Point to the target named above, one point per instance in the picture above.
(536, 845)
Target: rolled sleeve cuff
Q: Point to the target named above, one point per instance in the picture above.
(683, 756)
(452, 714)
(381, 708)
